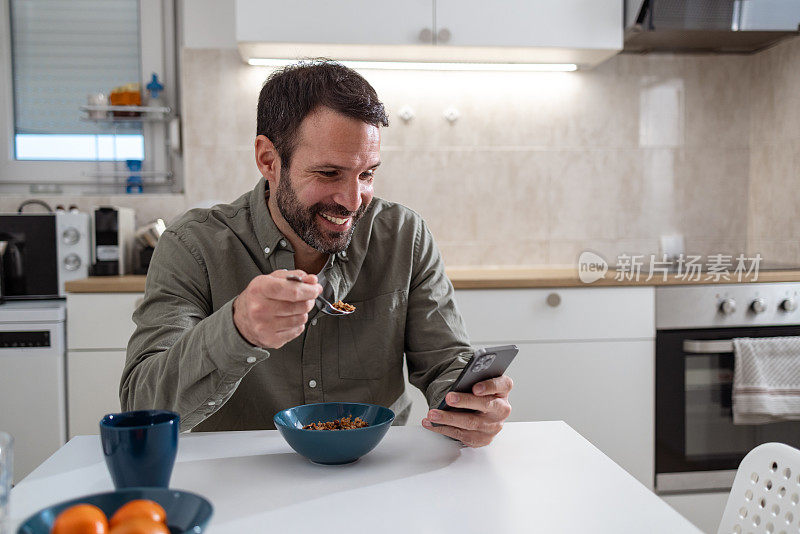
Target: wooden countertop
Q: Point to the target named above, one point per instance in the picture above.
(131, 283)
(480, 278)
(512, 277)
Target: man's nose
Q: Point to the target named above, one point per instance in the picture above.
(349, 195)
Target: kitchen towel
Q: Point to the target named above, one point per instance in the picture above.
(766, 380)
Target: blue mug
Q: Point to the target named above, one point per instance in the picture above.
(140, 447)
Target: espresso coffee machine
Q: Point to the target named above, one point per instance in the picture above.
(112, 249)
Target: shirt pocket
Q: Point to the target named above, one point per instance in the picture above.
(371, 339)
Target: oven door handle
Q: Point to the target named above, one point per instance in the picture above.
(707, 346)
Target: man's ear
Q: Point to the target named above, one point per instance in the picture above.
(267, 159)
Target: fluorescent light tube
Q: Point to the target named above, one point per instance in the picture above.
(418, 65)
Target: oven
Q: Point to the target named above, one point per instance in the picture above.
(698, 448)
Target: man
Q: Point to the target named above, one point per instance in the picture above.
(222, 336)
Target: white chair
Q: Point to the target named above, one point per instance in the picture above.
(765, 497)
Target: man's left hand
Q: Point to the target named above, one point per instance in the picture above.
(489, 399)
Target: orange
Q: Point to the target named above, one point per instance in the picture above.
(81, 519)
(140, 525)
(143, 508)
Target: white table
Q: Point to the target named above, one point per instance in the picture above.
(535, 477)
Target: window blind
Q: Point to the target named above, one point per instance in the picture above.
(63, 50)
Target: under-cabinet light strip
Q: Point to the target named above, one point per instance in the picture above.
(419, 65)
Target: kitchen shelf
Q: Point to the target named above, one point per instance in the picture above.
(147, 179)
(160, 127)
(126, 173)
(148, 114)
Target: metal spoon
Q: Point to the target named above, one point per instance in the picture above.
(323, 305)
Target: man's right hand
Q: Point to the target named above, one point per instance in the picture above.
(272, 311)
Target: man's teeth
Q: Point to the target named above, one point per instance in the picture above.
(334, 220)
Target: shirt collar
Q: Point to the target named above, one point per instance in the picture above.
(270, 238)
(267, 233)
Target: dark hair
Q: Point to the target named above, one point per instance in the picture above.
(293, 92)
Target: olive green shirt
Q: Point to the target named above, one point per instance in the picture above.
(186, 355)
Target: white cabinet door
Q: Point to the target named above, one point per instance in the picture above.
(100, 320)
(370, 22)
(92, 388)
(603, 389)
(509, 315)
(589, 24)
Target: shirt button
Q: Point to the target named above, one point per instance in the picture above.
(283, 242)
(266, 250)
(343, 254)
(312, 383)
(211, 403)
(313, 322)
(251, 359)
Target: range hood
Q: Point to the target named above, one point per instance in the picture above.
(717, 26)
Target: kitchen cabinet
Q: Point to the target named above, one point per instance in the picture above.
(100, 321)
(584, 32)
(602, 389)
(522, 23)
(586, 357)
(364, 22)
(98, 328)
(93, 386)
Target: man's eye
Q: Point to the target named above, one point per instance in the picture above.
(368, 176)
(328, 174)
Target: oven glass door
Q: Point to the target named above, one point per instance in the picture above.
(694, 412)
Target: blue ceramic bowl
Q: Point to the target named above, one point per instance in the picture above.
(333, 447)
(186, 512)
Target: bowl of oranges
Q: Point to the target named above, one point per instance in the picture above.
(125, 511)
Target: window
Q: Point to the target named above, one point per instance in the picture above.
(59, 53)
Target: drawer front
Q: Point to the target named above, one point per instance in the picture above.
(519, 315)
(100, 320)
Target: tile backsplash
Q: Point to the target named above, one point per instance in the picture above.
(541, 166)
(773, 217)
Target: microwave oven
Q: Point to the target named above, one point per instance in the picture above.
(39, 252)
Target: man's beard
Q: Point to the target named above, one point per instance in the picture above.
(302, 220)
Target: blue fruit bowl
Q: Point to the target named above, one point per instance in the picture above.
(333, 447)
(186, 512)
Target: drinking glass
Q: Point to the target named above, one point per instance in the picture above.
(6, 474)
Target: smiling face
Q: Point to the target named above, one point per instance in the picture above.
(328, 186)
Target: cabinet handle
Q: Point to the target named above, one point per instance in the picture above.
(426, 36)
(553, 300)
(443, 36)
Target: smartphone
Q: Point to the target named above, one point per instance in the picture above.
(485, 364)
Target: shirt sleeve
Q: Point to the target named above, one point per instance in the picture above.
(436, 344)
(182, 357)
